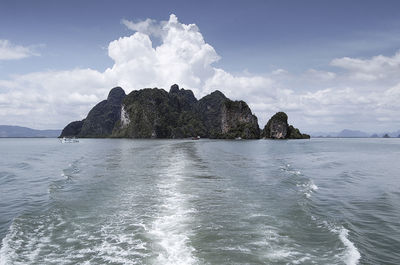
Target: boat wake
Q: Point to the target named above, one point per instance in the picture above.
(171, 227)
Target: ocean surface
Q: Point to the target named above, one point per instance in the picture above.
(115, 201)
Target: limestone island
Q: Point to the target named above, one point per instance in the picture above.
(156, 113)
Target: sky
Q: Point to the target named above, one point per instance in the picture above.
(329, 65)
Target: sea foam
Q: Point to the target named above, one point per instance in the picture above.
(352, 255)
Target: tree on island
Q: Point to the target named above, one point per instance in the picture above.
(386, 136)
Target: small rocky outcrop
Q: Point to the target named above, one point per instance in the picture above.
(278, 128)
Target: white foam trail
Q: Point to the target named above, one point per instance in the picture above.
(171, 228)
(6, 255)
(352, 255)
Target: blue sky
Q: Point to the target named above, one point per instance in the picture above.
(252, 39)
(253, 35)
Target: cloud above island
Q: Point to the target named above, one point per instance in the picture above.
(182, 57)
(354, 93)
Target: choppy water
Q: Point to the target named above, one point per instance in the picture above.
(319, 201)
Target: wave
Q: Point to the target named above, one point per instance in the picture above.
(352, 255)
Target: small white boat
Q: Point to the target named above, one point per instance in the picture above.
(67, 140)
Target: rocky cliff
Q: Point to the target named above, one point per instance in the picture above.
(101, 118)
(278, 128)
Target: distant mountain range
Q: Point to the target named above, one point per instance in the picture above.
(355, 134)
(20, 132)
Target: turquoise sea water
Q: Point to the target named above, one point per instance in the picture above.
(114, 201)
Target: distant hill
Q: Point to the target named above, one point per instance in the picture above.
(394, 134)
(18, 131)
(350, 133)
(354, 134)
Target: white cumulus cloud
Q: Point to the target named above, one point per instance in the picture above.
(182, 57)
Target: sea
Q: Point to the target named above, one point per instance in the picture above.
(124, 201)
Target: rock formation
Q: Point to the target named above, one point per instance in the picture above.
(156, 113)
(278, 128)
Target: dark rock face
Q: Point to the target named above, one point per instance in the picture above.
(101, 118)
(72, 129)
(116, 96)
(182, 99)
(237, 120)
(278, 128)
(209, 111)
(226, 119)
